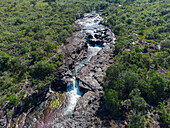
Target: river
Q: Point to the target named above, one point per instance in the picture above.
(63, 109)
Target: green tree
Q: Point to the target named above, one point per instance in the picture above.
(43, 69)
(112, 102)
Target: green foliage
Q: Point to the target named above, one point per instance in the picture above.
(43, 69)
(129, 20)
(145, 50)
(31, 32)
(165, 115)
(139, 75)
(165, 45)
(57, 102)
(13, 100)
(113, 102)
(136, 120)
(130, 84)
(19, 21)
(5, 61)
(138, 19)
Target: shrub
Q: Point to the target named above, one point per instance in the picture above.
(129, 20)
(43, 69)
(19, 21)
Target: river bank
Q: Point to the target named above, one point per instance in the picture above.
(75, 100)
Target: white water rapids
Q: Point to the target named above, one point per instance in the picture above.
(74, 94)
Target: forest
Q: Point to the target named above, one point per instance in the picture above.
(33, 32)
(138, 80)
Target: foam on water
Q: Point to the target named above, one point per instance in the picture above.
(92, 51)
(74, 94)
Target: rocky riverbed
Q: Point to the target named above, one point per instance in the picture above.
(88, 53)
(90, 50)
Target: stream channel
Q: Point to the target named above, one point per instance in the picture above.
(74, 107)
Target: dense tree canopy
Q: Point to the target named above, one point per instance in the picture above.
(139, 77)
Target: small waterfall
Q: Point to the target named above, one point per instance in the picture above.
(92, 51)
(74, 94)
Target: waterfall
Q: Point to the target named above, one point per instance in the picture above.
(74, 94)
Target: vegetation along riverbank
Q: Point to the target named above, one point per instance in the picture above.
(119, 49)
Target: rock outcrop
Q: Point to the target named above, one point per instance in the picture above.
(75, 49)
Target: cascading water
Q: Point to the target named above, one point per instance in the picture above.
(74, 94)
